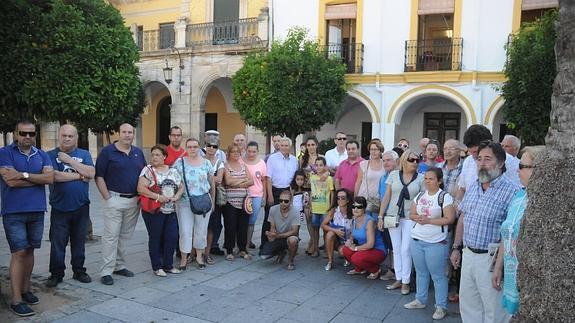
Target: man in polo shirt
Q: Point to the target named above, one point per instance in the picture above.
(281, 167)
(117, 170)
(335, 156)
(69, 198)
(24, 171)
(483, 209)
(346, 173)
(174, 149)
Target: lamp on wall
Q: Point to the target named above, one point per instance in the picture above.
(168, 70)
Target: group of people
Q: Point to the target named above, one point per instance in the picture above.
(434, 209)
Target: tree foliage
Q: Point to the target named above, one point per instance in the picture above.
(530, 71)
(291, 89)
(68, 61)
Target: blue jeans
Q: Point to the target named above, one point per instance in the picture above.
(65, 226)
(430, 259)
(23, 230)
(257, 206)
(317, 219)
(162, 239)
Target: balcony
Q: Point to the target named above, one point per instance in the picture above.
(350, 54)
(433, 54)
(238, 32)
(153, 40)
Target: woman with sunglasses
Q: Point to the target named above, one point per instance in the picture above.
(402, 187)
(432, 212)
(364, 248)
(337, 224)
(507, 262)
(403, 144)
(215, 222)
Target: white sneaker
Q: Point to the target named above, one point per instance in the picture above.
(175, 271)
(415, 304)
(160, 273)
(439, 313)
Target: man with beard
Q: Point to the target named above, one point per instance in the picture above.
(483, 209)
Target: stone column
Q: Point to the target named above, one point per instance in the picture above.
(180, 30)
(134, 31)
(263, 24)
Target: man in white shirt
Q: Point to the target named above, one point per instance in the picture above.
(338, 154)
(511, 144)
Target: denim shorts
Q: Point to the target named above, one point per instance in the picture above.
(23, 230)
(317, 219)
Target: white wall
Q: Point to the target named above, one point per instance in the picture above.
(290, 13)
(395, 20)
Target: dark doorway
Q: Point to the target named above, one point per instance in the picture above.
(504, 131)
(365, 138)
(211, 121)
(164, 121)
(441, 126)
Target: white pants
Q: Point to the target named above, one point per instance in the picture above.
(192, 227)
(478, 300)
(400, 240)
(120, 218)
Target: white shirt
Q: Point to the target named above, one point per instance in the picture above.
(428, 205)
(469, 171)
(334, 158)
(281, 169)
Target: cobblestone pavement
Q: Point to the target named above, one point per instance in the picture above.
(238, 291)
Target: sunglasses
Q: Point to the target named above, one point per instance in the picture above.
(413, 160)
(284, 201)
(357, 206)
(212, 146)
(522, 166)
(403, 146)
(27, 133)
(342, 198)
(341, 138)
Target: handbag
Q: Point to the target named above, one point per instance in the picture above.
(201, 204)
(221, 197)
(151, 205)
(373, 201)
(390, 221)
(248, 205)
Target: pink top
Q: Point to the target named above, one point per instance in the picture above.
(258, 172)
(346, 173)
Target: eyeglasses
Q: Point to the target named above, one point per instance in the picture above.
(405, 146)
(341, 138)
(342, 198)
(284, 201)
(522, 166)
(413, 160)
(27, 133)
(357, 206)
(212, 146)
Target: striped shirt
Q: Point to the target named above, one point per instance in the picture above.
(450, 177)
(484, 211)
(236, 195)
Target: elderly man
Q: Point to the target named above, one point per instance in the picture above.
(24, 171)
(335, 156)
(389, 159)
(284, 230)
(511, 144)
(452, 165)
(281, 167)
(240, 140)
(70, 201)
(483, 209)
(422, 144)
(117, 170)
(174, 149)
(346, 174)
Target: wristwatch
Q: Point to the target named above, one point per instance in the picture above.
(25, 175)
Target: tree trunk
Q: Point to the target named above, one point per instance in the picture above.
(546, 277)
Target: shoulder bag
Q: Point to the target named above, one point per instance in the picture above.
(201, 204)
(220, 189)
(151, 205)
(373, 201)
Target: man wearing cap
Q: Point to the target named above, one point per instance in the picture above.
(118, 168)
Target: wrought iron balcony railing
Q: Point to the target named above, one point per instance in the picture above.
(443, 54)
(350, 54)
(237, 32)
(156, 39)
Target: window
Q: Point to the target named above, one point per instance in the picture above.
(441, 126)
(532, 10)
(226, 21)
(167, 35)
(140, 38)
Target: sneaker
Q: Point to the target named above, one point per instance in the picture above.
(53, 281)
(389, 275)
(439, 313)
(30, 298)
(160, 273)
(174, 270)
(82, 278)
(395, 285)
(124, 272)
(405, 289)
(107, 280)
(415, 304)
(346, 263)
(22, 309)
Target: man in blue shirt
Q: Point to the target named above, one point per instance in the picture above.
(73, 169)
(24, 170)
(118, 168)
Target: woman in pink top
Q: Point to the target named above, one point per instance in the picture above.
(257, 192)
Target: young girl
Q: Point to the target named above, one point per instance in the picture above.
(322, 189)
(301, 199)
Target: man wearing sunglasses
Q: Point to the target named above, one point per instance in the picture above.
(335, 156)
(24, 171)
(213, 137)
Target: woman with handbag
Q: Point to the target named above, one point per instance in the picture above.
(160, 187)
(257, 192)
(402, 187)
(237, 179)
(196, 204)
(215, 222)
(432, 211)
(368, 176)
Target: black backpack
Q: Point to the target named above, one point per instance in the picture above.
(440, 200)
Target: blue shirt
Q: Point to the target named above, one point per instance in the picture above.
(361, 234)
(485, 211)
(69, 196)
(23, 199)
(120, 170)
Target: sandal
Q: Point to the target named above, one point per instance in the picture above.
(245, 255)
(210, 260)
(230, 257)
(374, 275)
(354, 272)
(290, 267)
